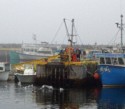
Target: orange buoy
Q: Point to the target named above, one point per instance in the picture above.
(96, 75)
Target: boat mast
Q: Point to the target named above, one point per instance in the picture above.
(70, 37)
(121, 31)
(120, 26)
(72, 32)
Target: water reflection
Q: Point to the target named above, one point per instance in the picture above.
(14, 96)
(68, 99)
(111, 98)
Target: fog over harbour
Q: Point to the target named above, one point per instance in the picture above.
(95, 20)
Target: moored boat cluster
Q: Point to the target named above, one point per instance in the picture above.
(67, 67)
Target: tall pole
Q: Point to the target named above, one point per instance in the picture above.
(121, 30)
(120, 26)
(72, 31)
(66, 29)
(70, 36)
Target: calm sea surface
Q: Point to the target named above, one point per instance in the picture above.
(16, 96)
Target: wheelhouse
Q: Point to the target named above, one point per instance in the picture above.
(111, 59)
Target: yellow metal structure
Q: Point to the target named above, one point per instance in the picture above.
(43, 61)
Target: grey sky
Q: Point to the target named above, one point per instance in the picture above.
(95, 20)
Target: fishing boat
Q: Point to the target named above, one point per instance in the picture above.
(28, 76)
(111, 66)
(34, 51)
(91, 54)
(111, 69)
(65, 69)
(4, 71)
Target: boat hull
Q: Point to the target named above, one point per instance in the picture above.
(112, 75)
(4, 76)
(29, 57)
(25, 78)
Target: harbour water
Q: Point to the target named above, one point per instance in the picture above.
(16, 96)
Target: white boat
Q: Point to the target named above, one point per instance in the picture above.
(4, 71)
(28, 75)
(34, 51)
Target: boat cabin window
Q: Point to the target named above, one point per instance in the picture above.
(1, 68)
(26, 49)
(108, 60)
(7, 67)
(45, 52)
(32, 50)
(102, 61)
(114, 61)
(121, 62)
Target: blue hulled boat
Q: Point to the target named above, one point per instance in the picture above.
(111, 69)
(111, 66)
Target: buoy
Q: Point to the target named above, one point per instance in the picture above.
(96, 75)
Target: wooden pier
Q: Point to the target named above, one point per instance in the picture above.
(59, 74)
